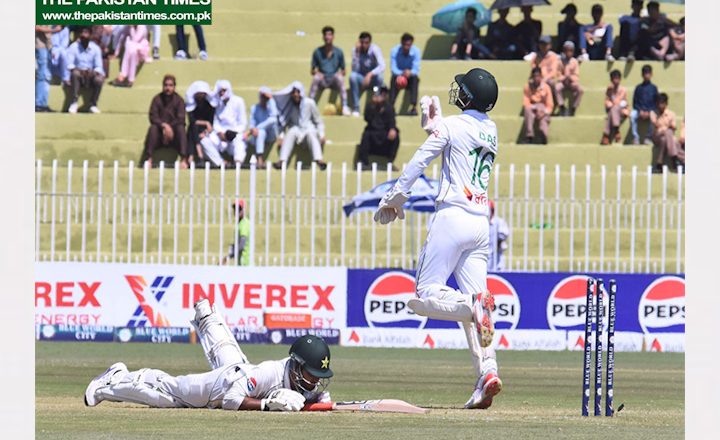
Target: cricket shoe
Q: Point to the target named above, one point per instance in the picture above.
(102, 380)
(482, 317)
(487, 387)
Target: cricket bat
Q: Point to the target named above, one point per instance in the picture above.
(381, 405)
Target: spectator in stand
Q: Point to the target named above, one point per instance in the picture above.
(665, 146)
(467, 40)
(86, 70)
(630, 32)
(228, 127)
(328, 69)
(654, 39)
(106, 37)
(243, 236)
(368, 66)
(201, 114)
(527, 32)
(677, 40)
(547, 60)
(499, 233)
(301, 119)
(537, 106)
(596, 39)
(644, 99)
(380, 136)
(58, 55)
(136, 50)
(405, 67)
(182, 52)
(263, 124)
(499, 38)
(616, 107)
(167, 123)
(569, 28)
(569, 79)
(43, 45)
(156, 37)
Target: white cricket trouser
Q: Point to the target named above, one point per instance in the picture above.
(213, 147)
(158, 389)
(457, 243)
(296, 136)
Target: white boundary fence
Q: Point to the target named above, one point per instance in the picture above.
(576, 219)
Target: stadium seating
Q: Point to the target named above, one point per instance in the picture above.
(271, 45)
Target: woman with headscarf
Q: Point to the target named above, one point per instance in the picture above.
(230, 120)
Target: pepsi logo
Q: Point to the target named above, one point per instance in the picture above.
(251, 384)
(507, 304)
(386, 302)
(566, 306)
(662, 306)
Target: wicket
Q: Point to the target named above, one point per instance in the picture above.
(595, 312)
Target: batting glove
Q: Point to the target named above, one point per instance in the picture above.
(283, 399)
(390, 207)
(431, 113)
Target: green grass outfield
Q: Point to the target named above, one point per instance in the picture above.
(540, 399)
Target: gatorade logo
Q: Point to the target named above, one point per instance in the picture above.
(567, 302)
(386, 302)
(662, 306)
(507, 304)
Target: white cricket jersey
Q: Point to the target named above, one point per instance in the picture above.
(468, 143)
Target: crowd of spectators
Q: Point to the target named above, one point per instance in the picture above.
(212, 124)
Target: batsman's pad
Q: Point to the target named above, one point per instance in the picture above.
(283, 399)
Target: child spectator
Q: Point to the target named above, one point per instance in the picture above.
(405, 67)
(527, 32)
(228, 126)
(665, 145)
(569, 79)
(596, 40)
(654, 39)
(328, 69)
(300, 117)
(547, 60)
(86, 70)
(467, 40)
(136, 50)
(201, 113)
(380, 135)
(644, 98)
(368, 66)
(263, 124)
(499, 38)
(630, 31)
(569, 28)
(537, 106)
(616, 107)
(182, 52)
(167, 123)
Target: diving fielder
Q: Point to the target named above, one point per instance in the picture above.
(233, 383)
(457, 240)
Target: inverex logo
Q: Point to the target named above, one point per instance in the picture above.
(662, 306)
(566, 306)
(507, 303)
(386, 302)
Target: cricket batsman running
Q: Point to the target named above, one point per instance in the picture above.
(458, 234)
(233, 383)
